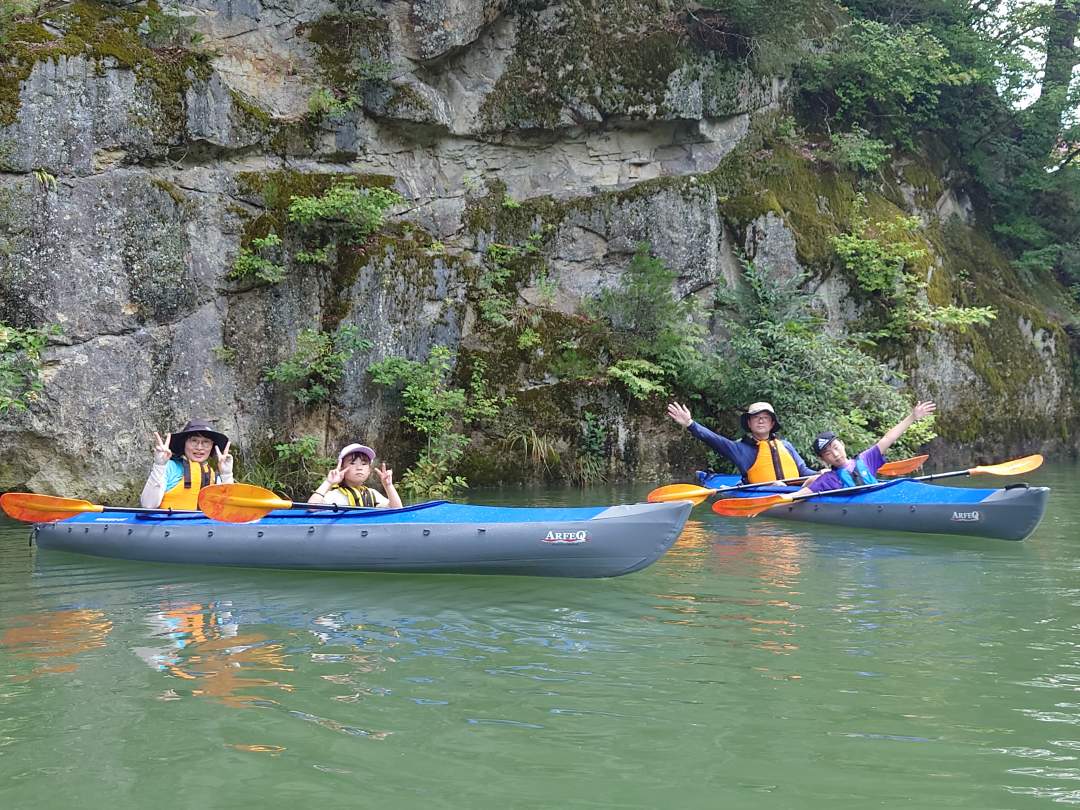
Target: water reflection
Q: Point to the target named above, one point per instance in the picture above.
(59, 634)
(695, 535)
(767, 568)
(204, 646)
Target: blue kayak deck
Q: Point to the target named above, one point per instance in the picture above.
(900, 490)
(432, 512)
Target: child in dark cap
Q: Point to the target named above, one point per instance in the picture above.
(845, 472)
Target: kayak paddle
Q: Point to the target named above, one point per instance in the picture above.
(748, 507)
(902, 466)
(680, 492)
(1018, 466)
(246, 503)
(690, 492)
(33, 508)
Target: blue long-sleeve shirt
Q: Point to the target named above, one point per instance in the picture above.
(742, 453)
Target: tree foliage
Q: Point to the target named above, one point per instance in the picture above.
(440, 412)
(995, 81)
(777, 351)
(886, 79)
(21, 365)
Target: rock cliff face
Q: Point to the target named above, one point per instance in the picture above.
(141, 150)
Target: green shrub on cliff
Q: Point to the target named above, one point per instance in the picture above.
(293, 469)
(257, 262)
(440, 412)
(857, 150)
(20, 365)
(882, 256)
(651, 323)
(348, 212)
(318, 363)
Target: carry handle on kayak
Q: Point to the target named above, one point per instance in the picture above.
(692, 492)
(749, 507)
(33, 508)
(246, 503)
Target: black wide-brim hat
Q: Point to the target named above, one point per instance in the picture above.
(177, 440)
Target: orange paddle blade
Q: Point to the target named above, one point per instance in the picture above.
(747, 507)
(680, 492)
(1017, 466)
(43, 508)
(239, 503)
(902, 466)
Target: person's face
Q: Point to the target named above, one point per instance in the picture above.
(357, 469)
(761, 423)
(198, 448)
(835, 455)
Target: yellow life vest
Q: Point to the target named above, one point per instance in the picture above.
(360, 496)
(773, 463)
(185, 494)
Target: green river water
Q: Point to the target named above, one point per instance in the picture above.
(759, 664)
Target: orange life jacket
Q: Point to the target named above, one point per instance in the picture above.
(185, 493)
(773, 463)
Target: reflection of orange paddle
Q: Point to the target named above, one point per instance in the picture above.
(48, 508)
(691, 492)
(748, 507)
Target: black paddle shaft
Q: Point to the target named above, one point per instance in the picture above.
(881, 484)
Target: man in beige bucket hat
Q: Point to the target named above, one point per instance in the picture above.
(761, 456)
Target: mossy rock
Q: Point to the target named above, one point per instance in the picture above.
(814, 201)
(274, 191)
(586, 60)
(101, 31)
(348, 44)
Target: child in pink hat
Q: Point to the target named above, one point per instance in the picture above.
(346, 484)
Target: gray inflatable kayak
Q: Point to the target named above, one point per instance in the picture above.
(903, 505)
(437, 537)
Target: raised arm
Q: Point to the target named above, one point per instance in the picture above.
(386, 478)
(920, 411)
(333, 478)
(154, 490)
(721, 444)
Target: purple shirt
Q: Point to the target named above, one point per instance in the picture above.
(872, 458)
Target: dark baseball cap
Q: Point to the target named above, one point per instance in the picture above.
(823, 440)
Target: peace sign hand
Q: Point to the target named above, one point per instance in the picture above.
(386, 477)
(224, 460)
(162, 453)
